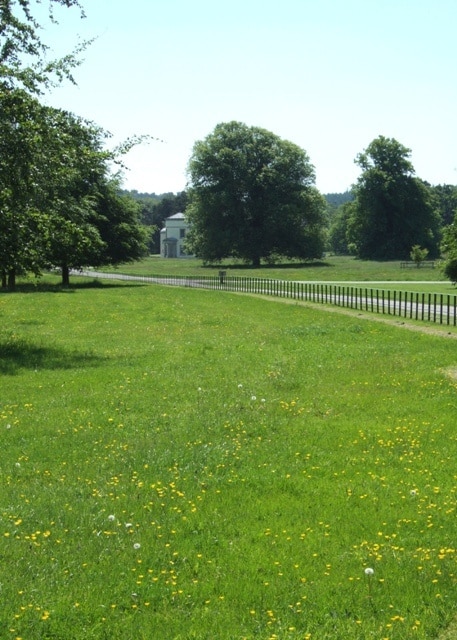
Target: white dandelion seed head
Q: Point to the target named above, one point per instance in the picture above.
(137, 545)
(369, 571)
(253, 398)
(240, 386)
(111, 518)
(128, 525)
(413, 492)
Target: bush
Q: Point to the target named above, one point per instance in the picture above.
(450, 270)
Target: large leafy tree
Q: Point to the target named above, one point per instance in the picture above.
(252, 196)
(58, 203)
(73, 169)
(393, 209)
(90, 222)
(49, 164)
(25, 71)
(22, 225)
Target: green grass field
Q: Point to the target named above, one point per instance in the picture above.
(330, 269)
(182, 464)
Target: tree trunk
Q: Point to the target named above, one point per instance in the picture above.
(65, 275)
(256, 262)
(11, 280)
(4, 280)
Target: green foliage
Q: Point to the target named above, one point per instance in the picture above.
(445, 196)
(59, 205)
(336, 200)
(449, 250)
(22, 125)
(117, 218)
(238, 487)
(23, 62)
(450, 270)
(252, 196)
(338, 235)
(418, 255)
(393, 209)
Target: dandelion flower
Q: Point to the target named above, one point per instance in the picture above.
(369, 571)
(137, 545)
(111, 518)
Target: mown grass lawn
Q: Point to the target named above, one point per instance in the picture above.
(330, 268)
(197, 464)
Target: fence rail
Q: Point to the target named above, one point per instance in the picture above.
(429, 307)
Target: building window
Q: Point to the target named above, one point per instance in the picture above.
(182, 233)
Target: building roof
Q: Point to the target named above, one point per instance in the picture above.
(177, 216)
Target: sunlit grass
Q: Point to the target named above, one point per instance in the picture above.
(197, 464)
(330, 268)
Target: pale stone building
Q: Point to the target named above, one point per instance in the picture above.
(172, 237)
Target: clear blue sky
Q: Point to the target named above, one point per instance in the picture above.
(329, 75)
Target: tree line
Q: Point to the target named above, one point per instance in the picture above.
(251, 195)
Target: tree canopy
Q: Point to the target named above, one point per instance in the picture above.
(393, 210)
(59, 203)
(252, 196)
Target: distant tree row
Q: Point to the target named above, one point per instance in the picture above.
(252, 196)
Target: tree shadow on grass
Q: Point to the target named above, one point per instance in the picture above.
(271, 265)
(17, 355)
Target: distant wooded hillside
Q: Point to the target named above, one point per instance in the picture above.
(337, 199)
(334, 199)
